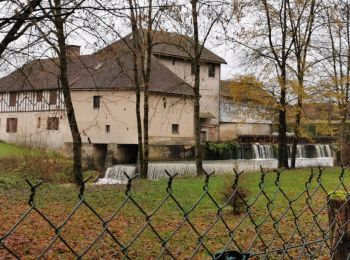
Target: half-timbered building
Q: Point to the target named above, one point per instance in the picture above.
(32, 109)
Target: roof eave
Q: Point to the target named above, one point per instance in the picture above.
(162, 54)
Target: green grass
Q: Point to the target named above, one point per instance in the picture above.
(274, 202)
(10, 150)
(57, 201)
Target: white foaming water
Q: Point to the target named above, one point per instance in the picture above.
(156, 170)
(263, 155)
(323, 151)
(116, 174)
(263, 151)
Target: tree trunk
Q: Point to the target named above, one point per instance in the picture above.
(196, 89)
(135, 54)
(339, 224)
(342, 137)
(282, 127)
(146, 71)
(59, 24)
(296, 133)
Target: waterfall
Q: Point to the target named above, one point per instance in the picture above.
(301, 151)
(329, 151)
(262, 151)
(256, 151)
(116, 174)
(307, 156)
(323, 151)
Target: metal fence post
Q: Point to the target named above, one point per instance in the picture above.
(339, 225)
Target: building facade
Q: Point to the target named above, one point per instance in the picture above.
(245, 109)
(32, 109)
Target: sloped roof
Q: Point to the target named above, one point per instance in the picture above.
(316, 112)
(245, 92)
(97, 71)
(172, 45)
(177, 45)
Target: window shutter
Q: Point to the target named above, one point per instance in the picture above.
(56, 123)
(14, 125)
(8, 125)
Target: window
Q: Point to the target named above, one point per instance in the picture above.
(39, 96)
(38, 122)
(52, 123)
(175, 128)
(11, 125)
(211, 71)
(13, 97)
(193, 68)
(108, 128)
(53, 97)
(97, 100)
(174, 61)
(164, 102)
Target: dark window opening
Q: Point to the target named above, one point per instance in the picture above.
(108, 128)
(38, 124)
(193, 68)
(13, 97)
(39, 96)
(52, 123)
(11, 125)
(211, 70)
(175, 128)
(53, 97)
(174, 60)
(164, 102)
(97, 100)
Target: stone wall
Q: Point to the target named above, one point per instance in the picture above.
(230, 131)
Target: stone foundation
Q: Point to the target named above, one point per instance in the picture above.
(102, 156)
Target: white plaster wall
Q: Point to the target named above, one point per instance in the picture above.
(230, 131)
(28, 132)
(209, 86)
(236, 112)
(117, 110)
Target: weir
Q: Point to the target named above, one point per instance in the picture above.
(263, 154)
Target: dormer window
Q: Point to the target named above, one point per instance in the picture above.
(211, 71)
(13, 97)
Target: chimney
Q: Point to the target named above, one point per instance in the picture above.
(73, 50)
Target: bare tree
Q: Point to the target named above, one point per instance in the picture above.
(302, 23)
(59, 21)
(197, 19)
(15, 26)
(334, 49)
(269, 45)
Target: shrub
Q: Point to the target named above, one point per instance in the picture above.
(235, 201)
(220, 148)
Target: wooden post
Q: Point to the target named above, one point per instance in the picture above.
(339, 223)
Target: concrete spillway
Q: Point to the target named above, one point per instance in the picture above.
(263, 155)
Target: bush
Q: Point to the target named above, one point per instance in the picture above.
(220, 148)
(236, 201)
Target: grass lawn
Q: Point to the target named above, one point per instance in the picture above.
(271, 220)
(9, 150)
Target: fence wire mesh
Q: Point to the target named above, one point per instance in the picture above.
(275, 222)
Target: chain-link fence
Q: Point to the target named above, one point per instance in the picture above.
(276, 222)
